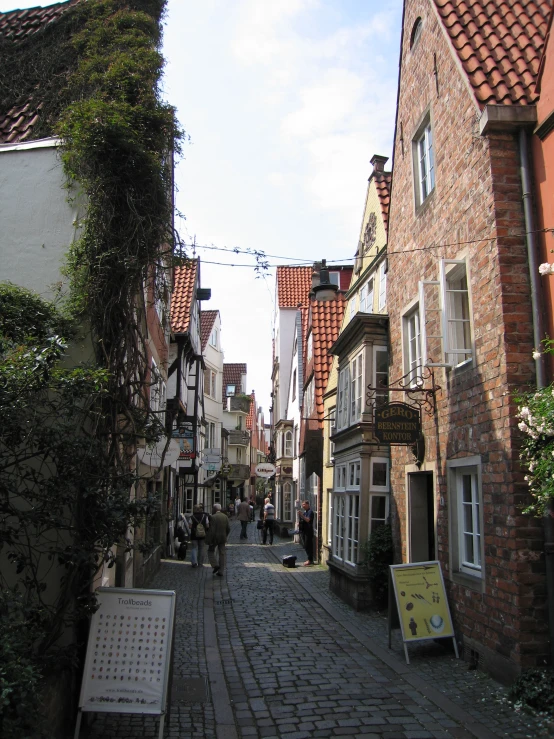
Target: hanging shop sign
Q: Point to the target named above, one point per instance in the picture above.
(152, 455)
(421, 606)
(265, 470)
(397, 423)
(185, 436)
(129, 653)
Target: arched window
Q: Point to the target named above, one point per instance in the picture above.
(288, 444)
(416, 32)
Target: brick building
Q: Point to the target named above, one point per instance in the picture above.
(461, 317)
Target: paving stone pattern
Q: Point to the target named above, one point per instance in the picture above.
(283, 657)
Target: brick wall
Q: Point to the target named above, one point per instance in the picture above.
(475, 211)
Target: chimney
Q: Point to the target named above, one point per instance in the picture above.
(378, 162)
(316, 274)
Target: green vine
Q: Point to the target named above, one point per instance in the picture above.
(69, 438)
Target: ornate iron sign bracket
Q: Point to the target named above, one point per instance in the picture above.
(421, 390)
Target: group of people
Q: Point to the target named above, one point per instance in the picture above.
(213, 530)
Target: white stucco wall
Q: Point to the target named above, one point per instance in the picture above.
(37, 224)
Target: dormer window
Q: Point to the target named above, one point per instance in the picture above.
(230, 390)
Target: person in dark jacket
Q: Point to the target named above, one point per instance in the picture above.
(217, 539)
(197, 536)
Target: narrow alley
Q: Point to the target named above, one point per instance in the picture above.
(269, 652)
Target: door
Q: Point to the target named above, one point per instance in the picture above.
(421, 514)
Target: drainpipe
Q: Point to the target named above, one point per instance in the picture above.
(538, 334)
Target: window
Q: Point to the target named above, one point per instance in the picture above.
(366, 297)
(161, 293)
(346, 527)
(352, 306)
(456, 314)
(294, 385)
(210, 379)
(340, 477)
(382, 285)
(287, 501)
(378, 511)
(332, 422)
(213, 338)
(309, 348)
(212, 439)
(379, 474)
(354, 475)
(466, 520)
(157, 393)
(334, 278)
(356, 388)
(330, 519)
(288, 444)
(424, 162)
(380, 380)
(412, 346)
(239, 455)
(309, 399)
(217, 491)
(445, 326)
(416, 32)
(302, 477)
(344, 381)
(230, 390)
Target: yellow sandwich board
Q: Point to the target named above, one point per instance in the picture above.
(421, 603)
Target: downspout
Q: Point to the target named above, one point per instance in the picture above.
(538, 334)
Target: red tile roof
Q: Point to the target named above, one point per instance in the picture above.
(16, 123)
(293, 286)
(207, 320)
(184, 283)
(326, 322)
(383, 181)
(232, 375)
(499, 44)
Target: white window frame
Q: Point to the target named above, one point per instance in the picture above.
(372, 519)
(413, 363)
(346, 527)
(330, 497)
(287, 444)
(332, 418)
(230, 390)
(342, 397)
(334, 278)
(354, 475)
(309, 347)
(287, 501)
(366, 295)
(302, 477)
(213, 337)
(340, 477)
(464, 571)
(352, 306)
(356, 387)
(424, 161)
(382, 285)
(378, 393)
(372, 486)
(453, 355)
(308, 400)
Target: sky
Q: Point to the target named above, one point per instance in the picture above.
(283, 104)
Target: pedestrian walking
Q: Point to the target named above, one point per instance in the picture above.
(306, 526)
(269, 520)
(217, 539)
(237, 503)
(199, 527)
(182, 535)
(244, 517)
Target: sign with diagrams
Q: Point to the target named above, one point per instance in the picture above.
(129, 653)
(421, 603)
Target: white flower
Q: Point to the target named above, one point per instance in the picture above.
(536, 354)
(524, 412)
(546, 269)
(523, 426)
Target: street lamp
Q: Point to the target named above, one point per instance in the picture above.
(325, 290)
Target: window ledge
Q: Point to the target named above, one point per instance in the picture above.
(420, 208)
(473, 582)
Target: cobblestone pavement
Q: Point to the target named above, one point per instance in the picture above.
(270, 652)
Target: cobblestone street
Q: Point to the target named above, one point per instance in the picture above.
(270, 652)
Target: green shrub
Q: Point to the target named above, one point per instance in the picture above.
(377, 555)
(535, 688)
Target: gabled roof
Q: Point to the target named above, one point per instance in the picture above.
(184, 284)
(207, 320)
(383, 182)
(499, 44)
(232, 375)
(326, 322)
(293, 286)
(17, 121)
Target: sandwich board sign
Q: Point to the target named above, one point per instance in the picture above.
(129, 654)
(422, 608)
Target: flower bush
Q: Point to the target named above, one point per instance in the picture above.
(536, 421)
